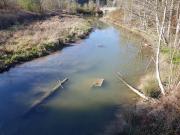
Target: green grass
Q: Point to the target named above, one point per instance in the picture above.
(176, 57)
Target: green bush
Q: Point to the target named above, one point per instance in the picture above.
(30, 5)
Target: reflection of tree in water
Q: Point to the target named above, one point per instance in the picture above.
(100, 25)
(98, 2)
(123, 121)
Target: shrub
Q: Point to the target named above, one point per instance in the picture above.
(30, 5)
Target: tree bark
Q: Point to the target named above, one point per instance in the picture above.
(158, 47)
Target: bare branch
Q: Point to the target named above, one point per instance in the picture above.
(132, 88)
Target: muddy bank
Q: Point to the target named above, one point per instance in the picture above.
(21, 43)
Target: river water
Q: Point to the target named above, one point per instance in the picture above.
(78, 109)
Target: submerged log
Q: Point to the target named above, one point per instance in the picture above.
(46, 96)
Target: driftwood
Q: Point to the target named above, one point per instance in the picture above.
(132, 88)
(46, 96)
(98, 83)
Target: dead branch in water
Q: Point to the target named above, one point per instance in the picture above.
(132, 88)
(45, 96)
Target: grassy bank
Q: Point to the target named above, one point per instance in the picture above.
(21, 43)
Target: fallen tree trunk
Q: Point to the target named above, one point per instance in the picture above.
(132, 88)
(46, 96)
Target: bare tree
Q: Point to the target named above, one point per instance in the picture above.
(160, 32)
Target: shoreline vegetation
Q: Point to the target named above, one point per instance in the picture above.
(24, 42)
(150, 40)
(30, 29)
(145, 36)
(157, 117)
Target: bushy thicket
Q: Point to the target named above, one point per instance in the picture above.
(31, 5)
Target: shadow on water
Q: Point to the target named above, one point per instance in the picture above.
(78, 109)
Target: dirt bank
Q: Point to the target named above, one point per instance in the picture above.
(24, 42)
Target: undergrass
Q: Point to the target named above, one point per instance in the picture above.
(168, 51)
(151, 89)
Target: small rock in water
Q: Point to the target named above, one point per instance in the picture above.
(100, 46)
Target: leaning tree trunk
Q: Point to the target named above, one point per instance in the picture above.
(132, 88)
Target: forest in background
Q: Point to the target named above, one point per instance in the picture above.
(48, 5)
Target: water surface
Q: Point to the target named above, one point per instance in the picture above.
(78, 109)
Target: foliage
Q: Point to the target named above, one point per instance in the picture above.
(48, 5)
(31, 5)
(169, 52)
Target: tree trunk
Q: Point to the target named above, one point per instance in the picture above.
(158, 47)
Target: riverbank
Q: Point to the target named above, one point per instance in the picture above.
(150, 39)
(153, 118)
(24, 42)
(147, 83)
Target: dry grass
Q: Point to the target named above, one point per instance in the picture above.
(40, 32)
(160, 118)
(24, 42)
(149, 85)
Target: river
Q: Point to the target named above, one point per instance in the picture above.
(78, 109)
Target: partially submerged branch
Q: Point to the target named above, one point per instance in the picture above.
(45, 96)
(119, 76)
